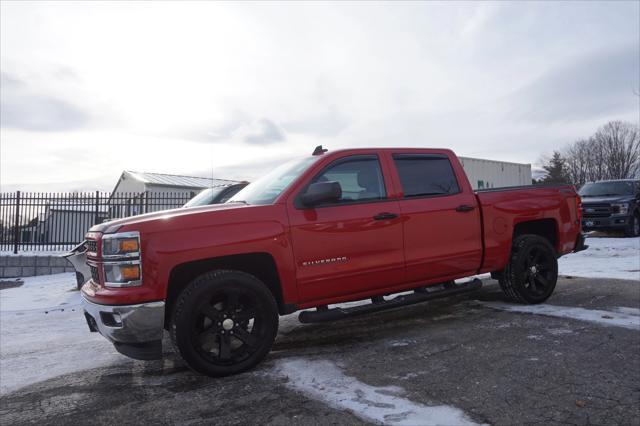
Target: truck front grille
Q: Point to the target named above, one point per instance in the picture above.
(596, 210)
(92, 246)
(94, 274)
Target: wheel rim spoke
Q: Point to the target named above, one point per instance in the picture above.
(232, 300)
(210, 312)
(246, 337)
(537, 257)
(542, 280)
(246, 314)
(532, 282)
(225, 347)
(204, 334)
(529, 262)
(228, 328)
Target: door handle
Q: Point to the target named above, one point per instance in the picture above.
(385, 216)
(464, 208)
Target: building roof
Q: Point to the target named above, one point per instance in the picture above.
(163, 179)
(485, 160)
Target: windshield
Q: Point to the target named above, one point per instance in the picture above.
(266, 189)
(604, 189)
(205, 197)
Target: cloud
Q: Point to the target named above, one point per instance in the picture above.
(20, 109)
(239, 84)
(598, 83)
(217, 130)
(262, 131)
(8, 82)
(328, 124)
(237, 127)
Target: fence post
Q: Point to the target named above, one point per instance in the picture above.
(16, 228)
(95, 219)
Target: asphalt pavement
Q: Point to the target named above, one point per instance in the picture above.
(469, 356)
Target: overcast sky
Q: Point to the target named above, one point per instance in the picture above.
(229, 90)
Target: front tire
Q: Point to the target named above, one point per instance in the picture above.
(633, 229)
(224, 322)
(532, 271)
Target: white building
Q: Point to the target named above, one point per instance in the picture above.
(63, 224)
(485, 174)
(130, 195)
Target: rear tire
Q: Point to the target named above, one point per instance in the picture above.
(224, 322)
(532, 271)
(633, 229)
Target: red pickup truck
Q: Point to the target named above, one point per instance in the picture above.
(328, 228)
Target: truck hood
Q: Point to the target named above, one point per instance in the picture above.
(112, 226)
(609, 199)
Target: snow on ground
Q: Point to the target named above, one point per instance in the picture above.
(41, 294)
(324, 381)
(622, 317)
(34, 253)
(43, 333)
(605, 258)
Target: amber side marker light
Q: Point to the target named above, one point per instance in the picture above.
(130, 272)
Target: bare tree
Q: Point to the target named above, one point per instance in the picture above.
(613, 152)
(620, 145)
(578, 162)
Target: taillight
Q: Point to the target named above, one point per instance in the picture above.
(579, 208)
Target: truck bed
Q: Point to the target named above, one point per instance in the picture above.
(503, 209)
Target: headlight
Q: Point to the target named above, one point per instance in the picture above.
(621, 208)
(124, 244)
(121, 254)
(122, 274)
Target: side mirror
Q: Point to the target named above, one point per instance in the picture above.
(321, 192)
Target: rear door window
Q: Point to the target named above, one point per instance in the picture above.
(424, 175)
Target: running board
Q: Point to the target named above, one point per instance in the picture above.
(419, 295)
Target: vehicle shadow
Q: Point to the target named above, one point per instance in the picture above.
(299, 338)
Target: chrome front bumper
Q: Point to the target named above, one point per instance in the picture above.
(135, 330)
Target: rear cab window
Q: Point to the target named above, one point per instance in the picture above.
(426, 175)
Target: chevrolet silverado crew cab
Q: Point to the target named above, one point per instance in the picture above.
(611, 205)
(328, 228)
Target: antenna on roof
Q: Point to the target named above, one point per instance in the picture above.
(319, 150)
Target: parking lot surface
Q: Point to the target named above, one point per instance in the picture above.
(470, 359)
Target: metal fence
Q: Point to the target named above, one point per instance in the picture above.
(58, 221)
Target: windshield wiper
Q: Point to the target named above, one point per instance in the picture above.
(237, 201)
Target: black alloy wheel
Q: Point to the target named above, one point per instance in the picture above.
(540, 271)
(227, 328)
(224, 322)
(532, 271)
